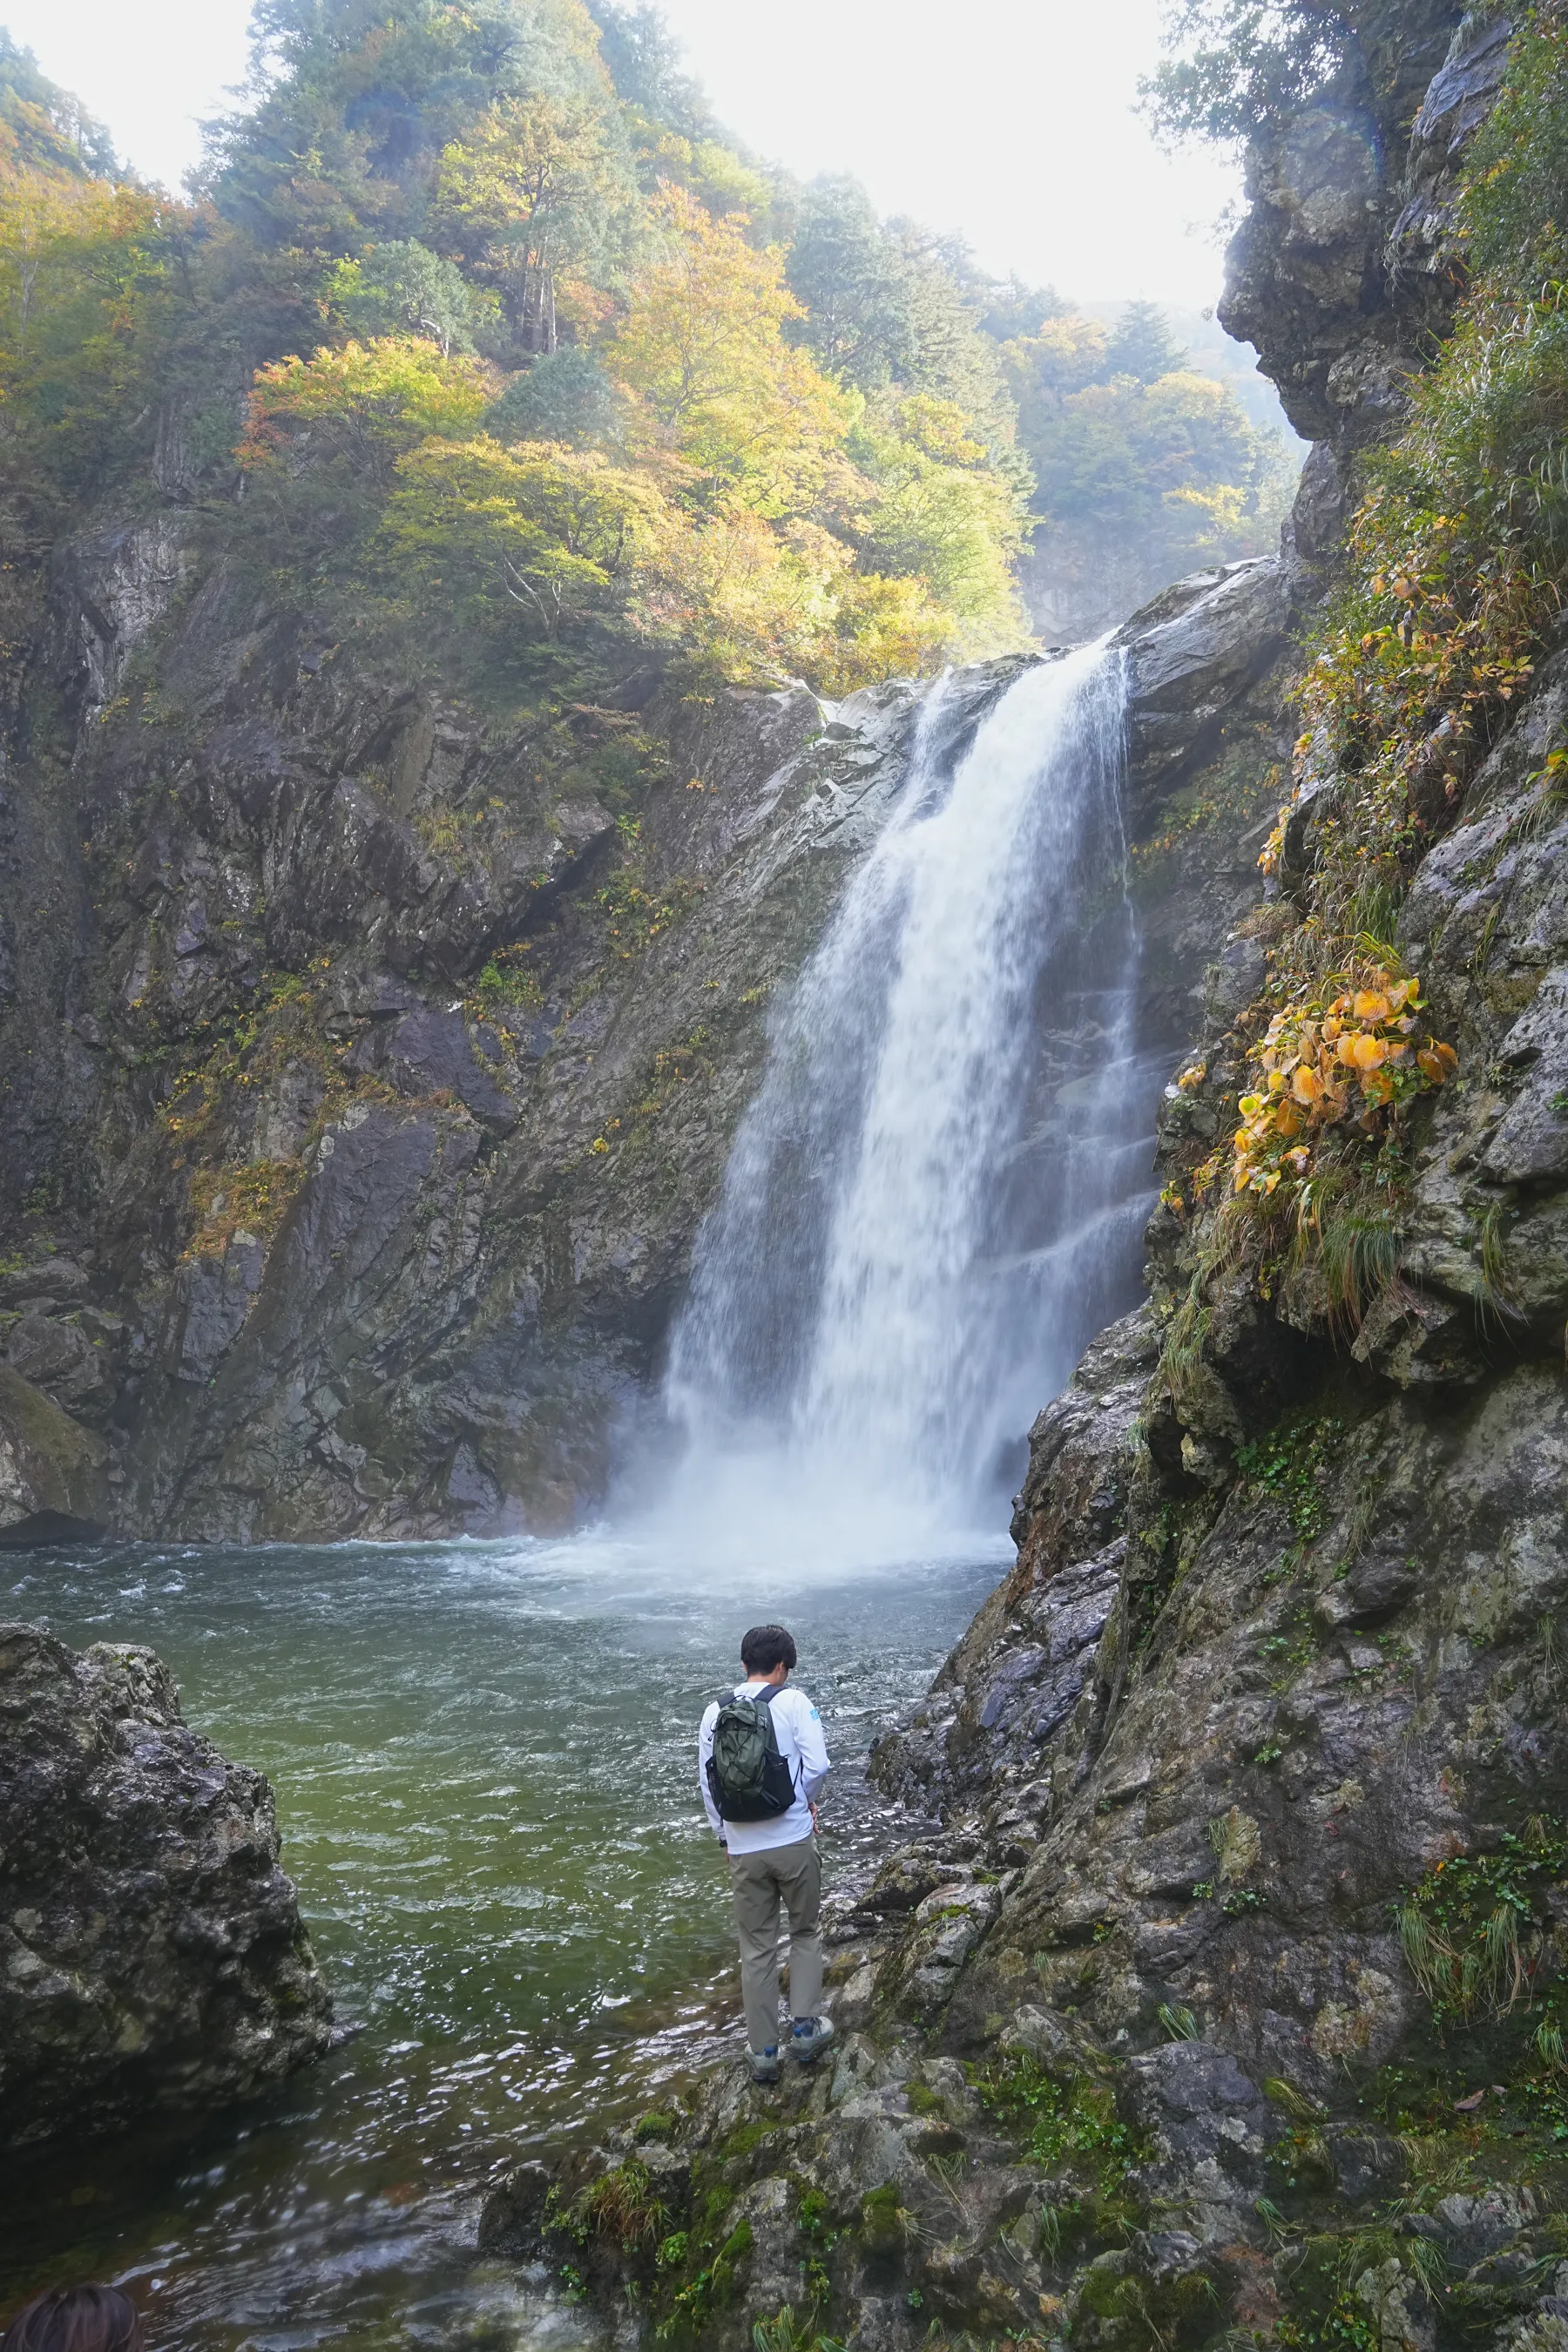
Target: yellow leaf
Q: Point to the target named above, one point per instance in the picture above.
(1306, 1086)
(1368, 1053)
(1371, 1004)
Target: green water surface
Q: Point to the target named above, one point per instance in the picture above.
(484, 1762)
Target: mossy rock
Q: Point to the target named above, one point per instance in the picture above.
(49, 1465)
(1120, 2306)
(882, 2221)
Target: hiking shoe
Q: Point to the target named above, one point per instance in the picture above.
(764, 2064)
(811, 2035)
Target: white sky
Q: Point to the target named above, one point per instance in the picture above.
(1008, 120)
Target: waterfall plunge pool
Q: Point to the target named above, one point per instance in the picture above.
(483, 1756)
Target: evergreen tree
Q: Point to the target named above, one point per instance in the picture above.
(1144, 346)
(857, 286)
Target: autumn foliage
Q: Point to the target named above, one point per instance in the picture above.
(1328, 1062)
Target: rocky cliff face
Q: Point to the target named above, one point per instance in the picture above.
(152, 1953)
(368, 1071)
(1219, 2000)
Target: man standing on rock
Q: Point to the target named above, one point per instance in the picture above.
(760, 1759)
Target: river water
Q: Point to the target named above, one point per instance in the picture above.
(484, 1762)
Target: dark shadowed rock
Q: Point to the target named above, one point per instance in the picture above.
(49, 1461)
(152, 1952)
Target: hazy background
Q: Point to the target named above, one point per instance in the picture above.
(1008, 120)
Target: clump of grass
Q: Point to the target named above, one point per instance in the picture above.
(1473, 1933)
(621, 2208)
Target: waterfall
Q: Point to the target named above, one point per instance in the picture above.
(935, 1196)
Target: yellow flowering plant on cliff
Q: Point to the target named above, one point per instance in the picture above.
(1345, 1055)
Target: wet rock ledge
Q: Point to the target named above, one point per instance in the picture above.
(152, 1952)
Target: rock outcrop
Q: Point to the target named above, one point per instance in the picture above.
(152, 1953)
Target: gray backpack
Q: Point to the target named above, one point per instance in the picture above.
(747, 1777)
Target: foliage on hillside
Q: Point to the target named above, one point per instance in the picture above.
(1131, 446)
(513, 377)
(478, 342)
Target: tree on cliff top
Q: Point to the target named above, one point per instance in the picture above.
(1234, 66)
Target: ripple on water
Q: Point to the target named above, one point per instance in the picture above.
(482, 1755)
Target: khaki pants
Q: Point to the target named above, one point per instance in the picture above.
(792, 1873)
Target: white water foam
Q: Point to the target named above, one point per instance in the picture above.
(934, 1198)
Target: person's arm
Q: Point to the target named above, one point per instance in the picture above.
(812, 1749)
(704, 1751)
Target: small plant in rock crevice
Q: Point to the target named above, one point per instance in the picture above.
(1291, 1463)
(1071, 2123)
(622, 2209)
(1474, 1934)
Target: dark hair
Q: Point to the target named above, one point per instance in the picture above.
(77, 2319)
(766, 1647)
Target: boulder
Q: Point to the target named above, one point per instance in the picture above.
(152, 1952)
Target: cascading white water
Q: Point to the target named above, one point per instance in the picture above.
(934, 1197)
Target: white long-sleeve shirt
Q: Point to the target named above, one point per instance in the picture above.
(797, 1727)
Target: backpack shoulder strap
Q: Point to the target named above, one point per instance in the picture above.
(769, 1692)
